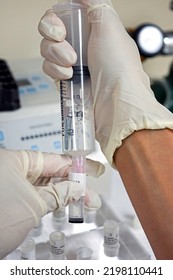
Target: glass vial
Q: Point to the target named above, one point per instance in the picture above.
(57, 241)
(36, 231)
(77, 174)
(27, 250)
(111, 238)
(60, 214)
(84, 253)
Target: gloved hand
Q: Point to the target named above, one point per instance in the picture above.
(123, 99)
(28, 191)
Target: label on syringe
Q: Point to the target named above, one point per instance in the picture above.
(80, 178)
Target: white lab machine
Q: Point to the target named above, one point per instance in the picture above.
(37, 126)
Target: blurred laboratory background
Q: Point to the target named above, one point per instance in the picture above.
(20, 38)
(39, 119)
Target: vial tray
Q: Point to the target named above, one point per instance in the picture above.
(88, 234)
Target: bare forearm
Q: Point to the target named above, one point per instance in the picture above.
(145, 163)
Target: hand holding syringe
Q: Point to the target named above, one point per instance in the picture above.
(78, 137)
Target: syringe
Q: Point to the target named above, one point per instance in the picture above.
(78, 137)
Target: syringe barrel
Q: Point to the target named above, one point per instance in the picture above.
(78, 135)
(77, 116)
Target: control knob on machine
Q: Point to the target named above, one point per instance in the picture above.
(149, 39)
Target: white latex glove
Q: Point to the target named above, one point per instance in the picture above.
(123, 99)
(27, 191)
